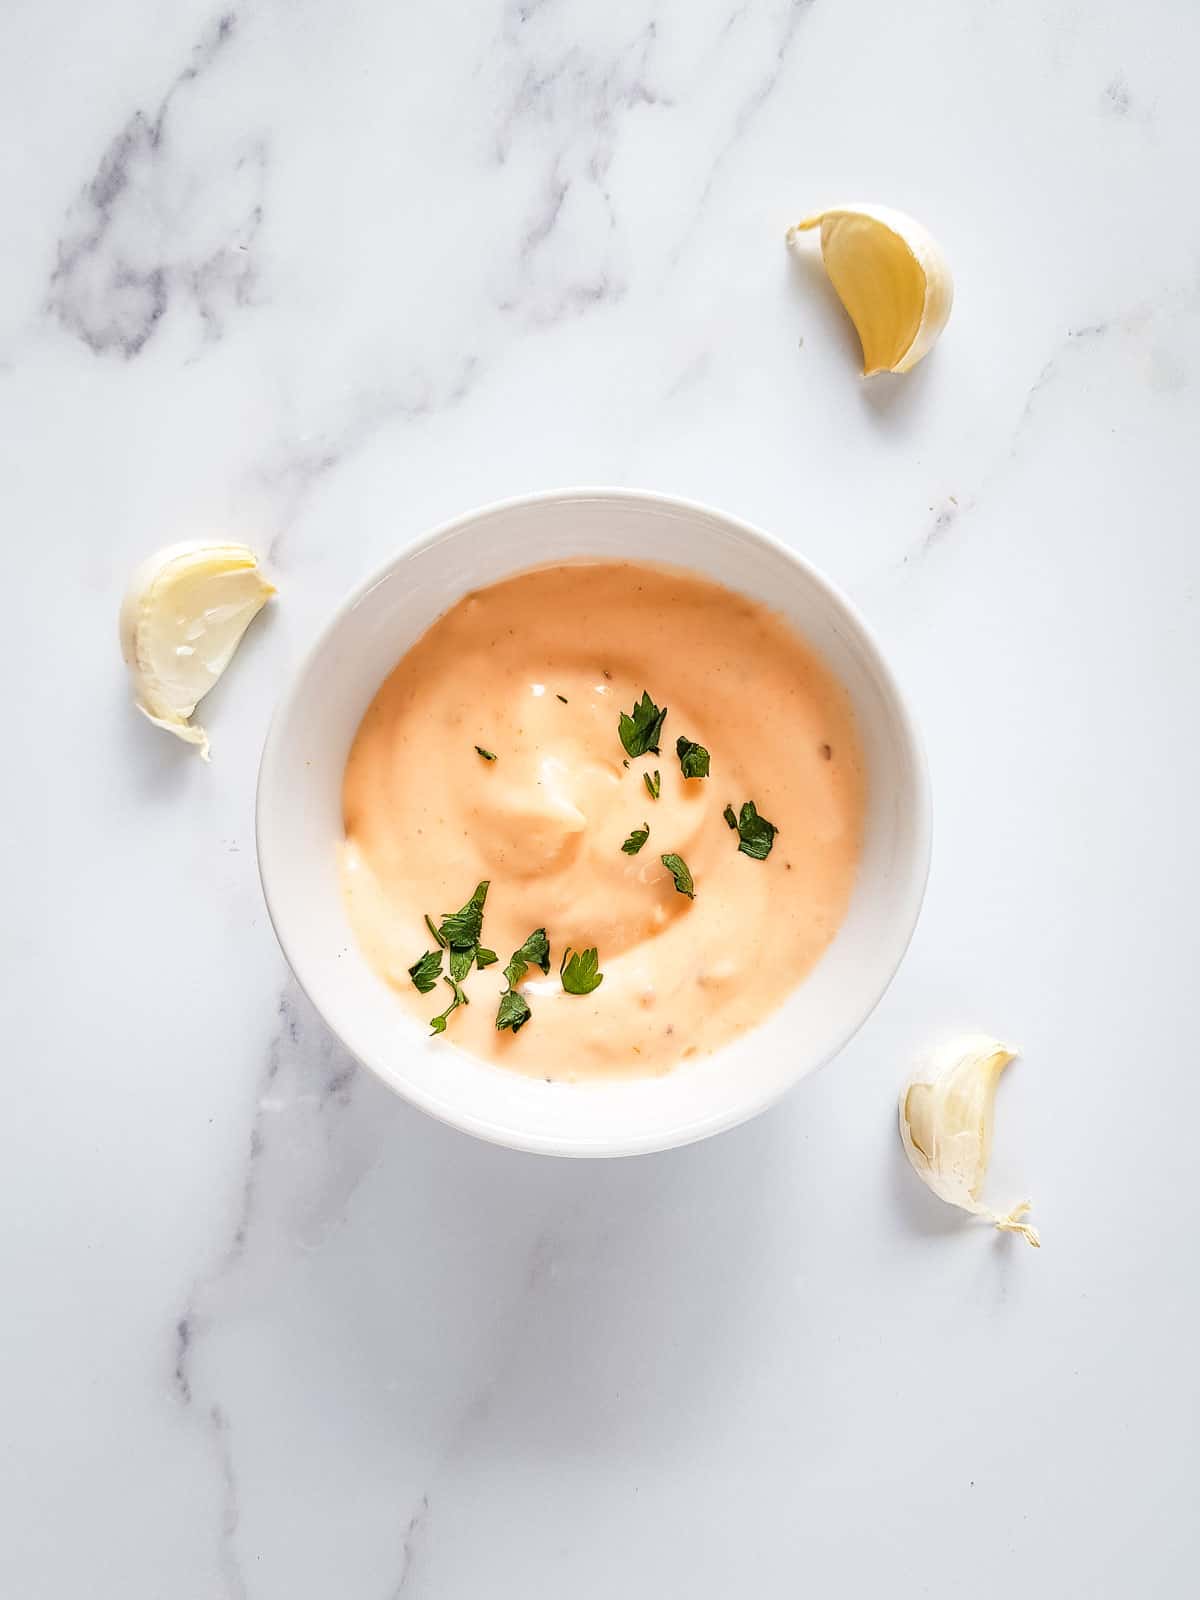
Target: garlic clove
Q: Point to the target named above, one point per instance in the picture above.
(182, 618)
(946, 1114)
(890, 275)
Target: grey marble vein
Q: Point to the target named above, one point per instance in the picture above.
(1083, 334)
(328, 1073)
(1116, 96)
(945, 517)
(1118, 103)
(231, 1567)
(750, 108)
(183, 1346)
(415, 1537)
(190, 1322)
(563, 108)
(146, 230)
(563, 88)
(948, 514)
(535, 1282)
(290, 472)
(692, 372)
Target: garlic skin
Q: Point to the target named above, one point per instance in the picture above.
(182, 618)
(890, 275)
(946, 1112)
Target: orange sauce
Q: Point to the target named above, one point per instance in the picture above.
(537, 670)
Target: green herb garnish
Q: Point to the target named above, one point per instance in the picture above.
(636, 839)
(485, 958)
(755, 834)
(579, 973)
(653, 784)
(438, 1023)
(514, 1009)
(535, 952)
(678, 868)
(513, 1012)
(487, 755)
(730, 818)
(693, 757)
(461, 929)
(641, 732)
(563, 698)
(426, 972)
(461, 962)
(459, 934)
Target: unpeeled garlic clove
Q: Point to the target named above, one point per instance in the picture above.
(890, 275)
(182, 618)
(946, 1125)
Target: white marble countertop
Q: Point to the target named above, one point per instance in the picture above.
(318, 276)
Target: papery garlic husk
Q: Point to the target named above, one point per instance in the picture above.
(890, 275)
(182, 618)
(946, 1125)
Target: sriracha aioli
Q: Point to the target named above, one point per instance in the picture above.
(537, 670)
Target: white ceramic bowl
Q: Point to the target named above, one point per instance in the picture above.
(299, 822)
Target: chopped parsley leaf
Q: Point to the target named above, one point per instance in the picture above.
(653, 784)
(678, 868)
(487, 755)
(459, 934)
(730, 818)
(461, 929)
(535, 952)
(636, 839)
(438, 1023)
(579, 973)
(755, 834)
(426, 972)
(693, 757)
(641, 732)
(513, 1011)
(461, 962)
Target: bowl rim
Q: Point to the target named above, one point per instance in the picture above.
(636, 1143)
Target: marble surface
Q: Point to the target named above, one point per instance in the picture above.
(318, 276)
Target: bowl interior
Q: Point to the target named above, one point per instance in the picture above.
(300, 827)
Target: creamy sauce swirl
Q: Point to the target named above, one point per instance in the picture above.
(537, 670)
